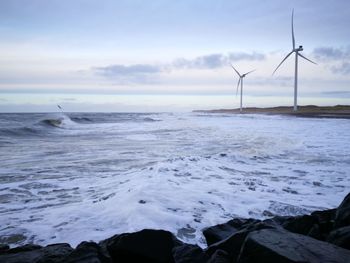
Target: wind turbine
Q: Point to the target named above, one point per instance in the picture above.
(297, 54)
(241, 81)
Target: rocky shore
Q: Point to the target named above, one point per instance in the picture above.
(323, 236)
(308, 111)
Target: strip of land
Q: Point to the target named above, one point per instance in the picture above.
(310, 111)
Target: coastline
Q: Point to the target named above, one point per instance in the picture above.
(322, 236)
(308, 111)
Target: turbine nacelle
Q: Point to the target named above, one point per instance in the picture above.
(300, 48)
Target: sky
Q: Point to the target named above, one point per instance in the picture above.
(162, 55)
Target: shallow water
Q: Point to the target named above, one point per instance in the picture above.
(86, 176)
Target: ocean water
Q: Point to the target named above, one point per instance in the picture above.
(86, 176)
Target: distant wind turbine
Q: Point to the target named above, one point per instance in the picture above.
(296, 51)
(241, 81)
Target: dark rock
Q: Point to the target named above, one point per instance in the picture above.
(340, 237)
(278, 245)
(189, 254)
(4, 248)
(12, 238)
(325, 222)
(87, 252)
(36, 254)
(25, 248)
(220, 256)
(143, 246)
(342, 216)
(222, 231)
(300, 224)
(232, 244)
(315, 232)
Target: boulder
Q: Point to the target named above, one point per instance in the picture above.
(143, 246)
(300, 224)
(220, 232)
(28, 247)
(36, 254)
(325, 223)
(279, 245)
(220, 256)
(342, 216)
(232, 244)
(4, 248)
(187, 253)
(340, 237)
(87, 252)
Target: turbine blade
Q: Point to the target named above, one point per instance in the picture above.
(283, 61)
(250, 72)
(236, 70)
(293, 39)
(307, 59)
(239, 81)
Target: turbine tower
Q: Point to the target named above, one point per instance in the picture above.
(240, 81)
(297, 54)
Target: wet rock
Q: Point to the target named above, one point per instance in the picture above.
(277, 245)
(36, 254)
(12, 238)
(325, 223)
(220, 232)
(144, 246)
(220, 256)
(87, 252)
(189, 254)
(186, 232)
(299, 224)
(232, 244)
(340, 237)
(342, 216)
(28, 247)
(4, 247)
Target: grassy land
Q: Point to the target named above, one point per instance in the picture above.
(338, 111)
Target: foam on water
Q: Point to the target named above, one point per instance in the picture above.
(96, 175)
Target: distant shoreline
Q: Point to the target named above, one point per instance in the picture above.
(308, 111)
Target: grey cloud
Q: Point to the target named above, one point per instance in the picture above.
(133, 74)
(203, 62)
(340, 58)
(343, 68)
(121, 70)
(214, 61)
(246, 56)
(141, 73)
(331, 53)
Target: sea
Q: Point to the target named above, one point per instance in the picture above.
(69, 177)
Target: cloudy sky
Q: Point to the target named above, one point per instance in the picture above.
(136, 55)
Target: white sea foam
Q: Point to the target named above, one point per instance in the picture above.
(88, 181)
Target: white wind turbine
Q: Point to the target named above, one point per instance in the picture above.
(296, 51)
(241, 81)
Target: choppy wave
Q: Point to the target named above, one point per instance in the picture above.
(36, 127)
(46, 124)
(179, 172)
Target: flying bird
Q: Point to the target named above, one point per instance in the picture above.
(297, 54)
